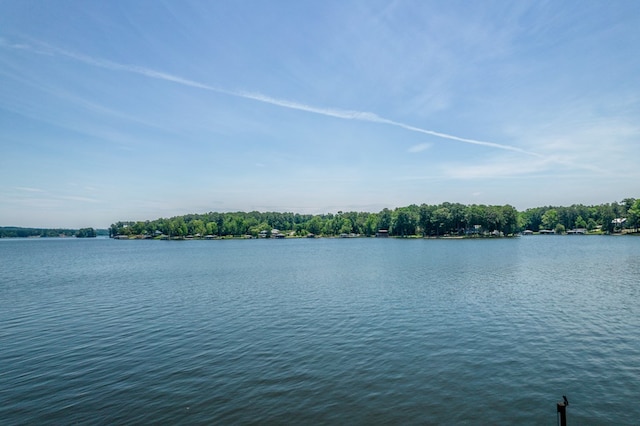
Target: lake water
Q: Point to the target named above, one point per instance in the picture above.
(324, 331)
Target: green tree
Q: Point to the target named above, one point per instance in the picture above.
(441, 220)
(196, 227)
(86, 233)
(633, 215)
(424, 219)
(532, 218)
(384, 219)
(457, 217)
(550, 219)
(371, 224)
(315, 225)
(403, 223)
(182, 229)
(211, 228)
(494, 218)
(509, 223)
(607, 214)
(476, 215)
(344, 226)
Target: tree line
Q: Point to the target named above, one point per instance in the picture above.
(588, 217)
(18, 232)
(86, 233)
(445, 219)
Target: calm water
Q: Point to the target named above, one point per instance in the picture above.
(333, 331)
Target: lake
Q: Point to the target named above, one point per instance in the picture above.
(320, 331)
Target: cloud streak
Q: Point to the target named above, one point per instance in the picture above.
(419, 147)
(364, 116)
(28, 189)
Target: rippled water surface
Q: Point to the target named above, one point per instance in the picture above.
(333, 331)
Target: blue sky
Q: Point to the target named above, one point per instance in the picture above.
(134, 110)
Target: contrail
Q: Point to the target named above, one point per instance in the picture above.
(373, 118)
(259, 97)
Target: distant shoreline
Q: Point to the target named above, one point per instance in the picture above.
(407, 237)
(20, 232)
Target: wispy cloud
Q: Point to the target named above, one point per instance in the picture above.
(419, 147)
(507, 166)
(42, 48)
(492, 170)
(81, 199)
(512, 167)
(6, 43)
(28, 189)
(27, 194)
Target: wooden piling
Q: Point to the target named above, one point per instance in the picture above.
(562, 411)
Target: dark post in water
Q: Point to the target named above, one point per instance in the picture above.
(562, 411)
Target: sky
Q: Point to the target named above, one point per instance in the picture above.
(136, 110)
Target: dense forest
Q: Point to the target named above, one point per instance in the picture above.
(446, 219)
